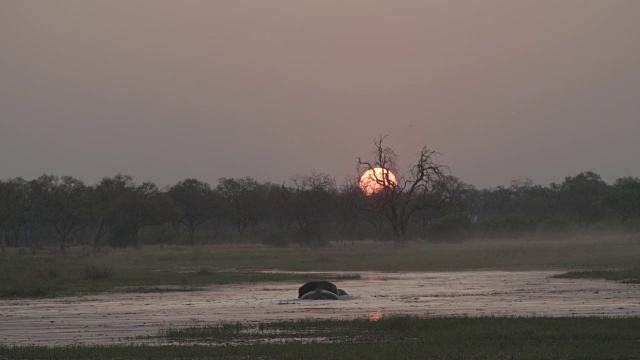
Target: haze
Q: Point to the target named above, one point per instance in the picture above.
(165, 90)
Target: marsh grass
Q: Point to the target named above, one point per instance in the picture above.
(222, 331)
(398, 337)
(627, 276)
(32, 276)
(25, 275)
(152, 281)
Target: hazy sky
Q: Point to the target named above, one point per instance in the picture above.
(165, 90)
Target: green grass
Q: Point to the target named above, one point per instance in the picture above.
(389, 338)
(152, 268)
(627, 276)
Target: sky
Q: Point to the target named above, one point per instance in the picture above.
(168, 90)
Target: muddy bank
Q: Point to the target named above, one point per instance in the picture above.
(121, 317)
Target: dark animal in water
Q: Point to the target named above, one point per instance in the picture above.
(319, 294)
(320, 290)
(313, 285)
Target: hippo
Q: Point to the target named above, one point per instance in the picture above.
(320, 290)
(319, 294)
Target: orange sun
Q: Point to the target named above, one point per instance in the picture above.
(374, 180)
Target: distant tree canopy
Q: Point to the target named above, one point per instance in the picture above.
(309, 210)
(197, 204)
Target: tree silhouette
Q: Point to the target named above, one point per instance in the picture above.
(423, 186)
(197, 202)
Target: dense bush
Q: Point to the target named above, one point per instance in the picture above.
(450, 228)
(93, 272)
(509, 226)
(310, 236)
(276, 238)
(554, 227)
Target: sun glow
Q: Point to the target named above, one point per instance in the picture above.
(374, 180)
(375, 315)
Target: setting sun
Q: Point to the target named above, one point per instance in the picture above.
(373, 180)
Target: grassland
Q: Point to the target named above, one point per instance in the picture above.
(188, 268)
(50, 277)
(627, 276)
(389, 338)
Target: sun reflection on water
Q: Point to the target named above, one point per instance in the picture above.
(376, 315)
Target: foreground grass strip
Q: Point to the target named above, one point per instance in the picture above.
(390, 338)
(627, 276)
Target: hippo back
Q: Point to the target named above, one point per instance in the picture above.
(313, 285)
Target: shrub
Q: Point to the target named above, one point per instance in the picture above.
(554, 227)
(93, 272)
(631, 226)
(52, 273)
(518, 226)
(122, 235)
(310, 236)
(276, 238)
(509, 226)
(449, 228)
(385, 234)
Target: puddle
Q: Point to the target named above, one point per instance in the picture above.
(121, 317)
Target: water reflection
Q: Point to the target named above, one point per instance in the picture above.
(376, 315)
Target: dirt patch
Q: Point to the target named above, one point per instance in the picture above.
(124, 317)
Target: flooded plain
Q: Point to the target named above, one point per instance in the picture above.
(129, 317)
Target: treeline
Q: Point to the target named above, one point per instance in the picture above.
(308, 210)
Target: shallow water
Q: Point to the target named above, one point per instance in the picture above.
(121, 317)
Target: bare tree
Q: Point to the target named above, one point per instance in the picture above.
(423, 186)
